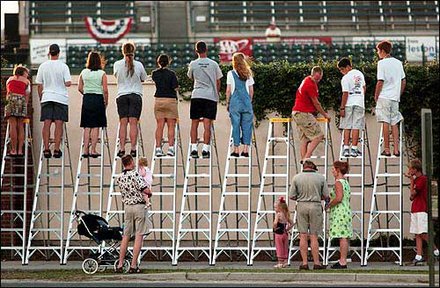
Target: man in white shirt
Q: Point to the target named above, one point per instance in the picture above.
(273, 33)
(53, 78)
(352, 110)
(390, 86)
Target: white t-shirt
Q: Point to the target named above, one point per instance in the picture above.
(53, 74)
(205, 73)
(390, 70)
(129, 84)
(230, 81)
(273, 32)
(353, 82)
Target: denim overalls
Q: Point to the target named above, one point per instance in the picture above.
(241, 112)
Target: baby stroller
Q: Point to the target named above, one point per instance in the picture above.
(97, 229)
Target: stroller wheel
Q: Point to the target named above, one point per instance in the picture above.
(102, 268)
(90, 266)
(125, 267)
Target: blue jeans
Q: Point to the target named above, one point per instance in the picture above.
(241, 122)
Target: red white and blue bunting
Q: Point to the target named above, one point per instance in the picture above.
(108, 31)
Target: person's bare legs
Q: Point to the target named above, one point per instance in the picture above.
(160, 123)
(347, 136)
(94, 133)
(46, 133)
(20, 132)
(355, 137)
(86, 140)
(343, 250)
(171, 124)
(395, 131)
(424, 237)
(314, 245)
(123, 250)
(303, 247)
(58, 133)
(194, 126)
(303, 148)
(123, 122)
(207, 131)
(312, 146)
(136, 249)
(133, 132)
(386, 137)
(13, 135)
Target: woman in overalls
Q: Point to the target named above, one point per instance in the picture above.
(239, 93)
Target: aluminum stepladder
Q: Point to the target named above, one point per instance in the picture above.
(322, 163)
(197, 221)
(391, 172)
(358, 166)
(163, 210)
(115, 206)
(48, 205)
(88, 194)
(14, 190)
(236, 189)
(276, 168)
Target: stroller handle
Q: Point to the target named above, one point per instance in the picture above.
(79, 212)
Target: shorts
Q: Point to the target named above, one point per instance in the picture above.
(16, 107)
(129, 106)
(203, 108)
(166, 108)
(308, 126)
(388, 111)
(419, 223)
(354, 118)
(136, 220)
(309, 217)
(54, 111)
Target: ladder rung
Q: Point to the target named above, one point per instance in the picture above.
(384, 248)
(197, 193)
(272, 193)
(164, 157)
(88, 175)
(264, 230)
(160, 230)
(233, 230)
(353, 175)
(286, 139)
(235, 193)
(201, 175)
(160, 211)
(47, 229)
(157, 193)
(196, 212)
(15, 229)
(387, 193)
(237, 175)
(276, 157)
(194, 230)
(88, 193)
(48, 211)
(234, 212)
(163, 175)
(388, 175)
(13, 175)
(275, 175)
(12, 193)
(385, 211)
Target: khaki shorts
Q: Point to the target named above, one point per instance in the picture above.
(308, 126)
(388, 111)
(309, 217)
(136, 220)
(354, 118)
(166, 108)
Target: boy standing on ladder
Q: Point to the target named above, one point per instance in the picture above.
(206, 74)
(390, 86)
(419, 207)
(352, 110)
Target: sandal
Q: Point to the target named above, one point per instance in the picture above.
(134, 270)
(57, 153)
(47, 153)
(385, 153)
(85, 155)
(133, 153)
(95, 155)
(119, 270)
(121, 153)
(397, 154)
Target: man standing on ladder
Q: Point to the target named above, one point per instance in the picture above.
(206, 74)
(53, 77)
(304, 112)
(390, 86)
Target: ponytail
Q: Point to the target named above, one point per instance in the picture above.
(128, 52)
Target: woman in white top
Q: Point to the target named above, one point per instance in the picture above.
(130, 74)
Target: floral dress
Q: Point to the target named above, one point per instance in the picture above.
(340, 215)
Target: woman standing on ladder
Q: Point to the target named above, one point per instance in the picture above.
(129, 74)
(92, 84)
(239, 94)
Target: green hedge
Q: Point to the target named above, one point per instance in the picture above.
(277, 82)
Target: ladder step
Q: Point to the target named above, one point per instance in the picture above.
(12, 193)
(235, 193)
(88, 175)
(264, 230)
(388, 175)
(160, 230)
(276, 157)
(232, 230)
(163, 175)
(272, 193)
(13, 175)
(194, 230)
(385, 211)
(89, 193)
(157, 193)
(384, 248)
(353, 175)
(48, 211)
(12, 212)
(201, 175)
(234, 212)
(238, 175)
(160, 211)
(275, 175)
(196, 212)
(197, 194)
(15, 229)
(286, 139)
(47, 229)
(164, 157)
(387, 193)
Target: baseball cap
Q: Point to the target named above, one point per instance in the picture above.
(54, 49)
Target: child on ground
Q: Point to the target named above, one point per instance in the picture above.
(146, 173)
(281, 226)
(352, 110)
(419, 216)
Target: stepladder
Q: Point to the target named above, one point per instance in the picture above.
(93, 172)
(194, 234)
(274, 184)
(17, 182)
(322, 156)
(385, 223)
(54, 181)
(360, 177)
(161, 241)
(233, 231)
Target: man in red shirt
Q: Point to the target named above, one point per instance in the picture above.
(419, 207)
(304, 111)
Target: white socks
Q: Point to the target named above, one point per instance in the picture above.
(354, 147)
(206, 147)
(346, 146)
(193, 146)
(436, 253)
(419, 257)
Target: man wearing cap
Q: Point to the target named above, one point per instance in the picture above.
(273, 33)
(53, 78)
(308, 189)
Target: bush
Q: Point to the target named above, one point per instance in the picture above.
(276, 84)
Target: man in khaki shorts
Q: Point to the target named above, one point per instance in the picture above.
(308, 189)
(304, 111)
(132, 186)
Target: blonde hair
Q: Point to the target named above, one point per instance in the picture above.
(128, 49)
(241, 64)
(284, 208)
(143, 161)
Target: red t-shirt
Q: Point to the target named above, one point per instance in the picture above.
(303, 101)
(419, 202)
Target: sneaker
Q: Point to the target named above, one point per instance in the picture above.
(205, 154)
(354, 153)
(194, 154)
(338, 265)
(57, 154)
(415, 261)
(304, 267)
(159, 152)
(245, 154)
(235, 154)
(358, 152)
(171, 152)
(346, 152)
